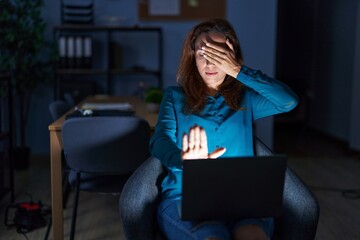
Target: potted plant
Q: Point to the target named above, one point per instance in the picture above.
(22, 51)
(153, 98)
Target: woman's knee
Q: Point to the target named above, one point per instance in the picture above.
(249, 232)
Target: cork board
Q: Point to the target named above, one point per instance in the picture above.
(188, 10)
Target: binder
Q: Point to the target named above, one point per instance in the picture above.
(87, 41)
(70, 53)
(79, 52)
(62, 52)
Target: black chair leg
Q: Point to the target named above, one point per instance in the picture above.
(76, 200)
(65, 183)
(66, 190)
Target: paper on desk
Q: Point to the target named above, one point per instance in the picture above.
(124, 106)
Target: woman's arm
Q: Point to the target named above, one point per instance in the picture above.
(273, 96)
(163, 142)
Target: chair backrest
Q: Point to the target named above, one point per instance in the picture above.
(105, 145)
(260, 148)
(58, 108)
(69, 98)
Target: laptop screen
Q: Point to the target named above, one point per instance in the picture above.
(233, 188)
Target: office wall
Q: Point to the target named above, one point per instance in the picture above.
(332, 81)
(355, 99)
(254, 22)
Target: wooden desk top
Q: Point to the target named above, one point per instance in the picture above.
(138, 104)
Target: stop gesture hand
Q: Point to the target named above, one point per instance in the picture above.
(194, 145)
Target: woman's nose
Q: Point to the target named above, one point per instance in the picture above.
(208, 62)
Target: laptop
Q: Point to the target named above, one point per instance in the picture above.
(233, 188)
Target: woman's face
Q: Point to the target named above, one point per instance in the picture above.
(211, 75)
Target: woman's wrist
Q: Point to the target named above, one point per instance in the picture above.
(236, 71)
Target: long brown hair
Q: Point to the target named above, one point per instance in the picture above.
(189, 78)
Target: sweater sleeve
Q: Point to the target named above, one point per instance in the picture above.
(268, 96)
(163, 142)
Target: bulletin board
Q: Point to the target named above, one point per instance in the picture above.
(187, 10)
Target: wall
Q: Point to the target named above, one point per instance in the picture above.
(333, 67)
(318, 56)
(254, 22)
(355, 100)
(294, 51)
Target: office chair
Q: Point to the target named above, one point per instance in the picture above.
(69, 98)
(102, 152)
(58, 108)
(141, 195)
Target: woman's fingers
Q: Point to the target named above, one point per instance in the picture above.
(196, 137)
(185, 143)
(214, 48)
(228, 43)
(194, 145)
(213, 56)
(217, 153)
(219, 53)
(203, 138)
(191, 138)
(223, 58)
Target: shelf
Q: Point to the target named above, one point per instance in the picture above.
(106, 69)
(81, 71)
(90, 27)
(134, 71)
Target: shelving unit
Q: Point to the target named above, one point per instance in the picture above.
(106, 70)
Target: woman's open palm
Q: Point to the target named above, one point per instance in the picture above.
(195, 145)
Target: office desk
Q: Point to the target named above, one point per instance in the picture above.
(56, 148)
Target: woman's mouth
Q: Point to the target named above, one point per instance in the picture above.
(210, 73)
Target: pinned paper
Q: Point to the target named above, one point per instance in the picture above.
(164, 7)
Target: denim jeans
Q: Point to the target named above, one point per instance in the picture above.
(171, 225)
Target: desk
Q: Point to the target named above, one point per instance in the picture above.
(56, 147)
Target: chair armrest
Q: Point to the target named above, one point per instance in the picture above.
(300, 210)
(139, 199)
(260, 148)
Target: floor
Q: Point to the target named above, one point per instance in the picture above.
(325, 164)
(331, 171)
(98, 216)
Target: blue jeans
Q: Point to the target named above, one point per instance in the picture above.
(171, 225)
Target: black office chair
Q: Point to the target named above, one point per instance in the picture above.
(102, 152)
(141, 195)
(69, 98)
(58, 108)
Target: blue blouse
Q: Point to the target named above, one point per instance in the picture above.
(224, 127)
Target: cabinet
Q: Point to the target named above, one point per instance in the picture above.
(104, 61)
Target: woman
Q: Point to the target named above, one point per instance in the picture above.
(209, 115)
